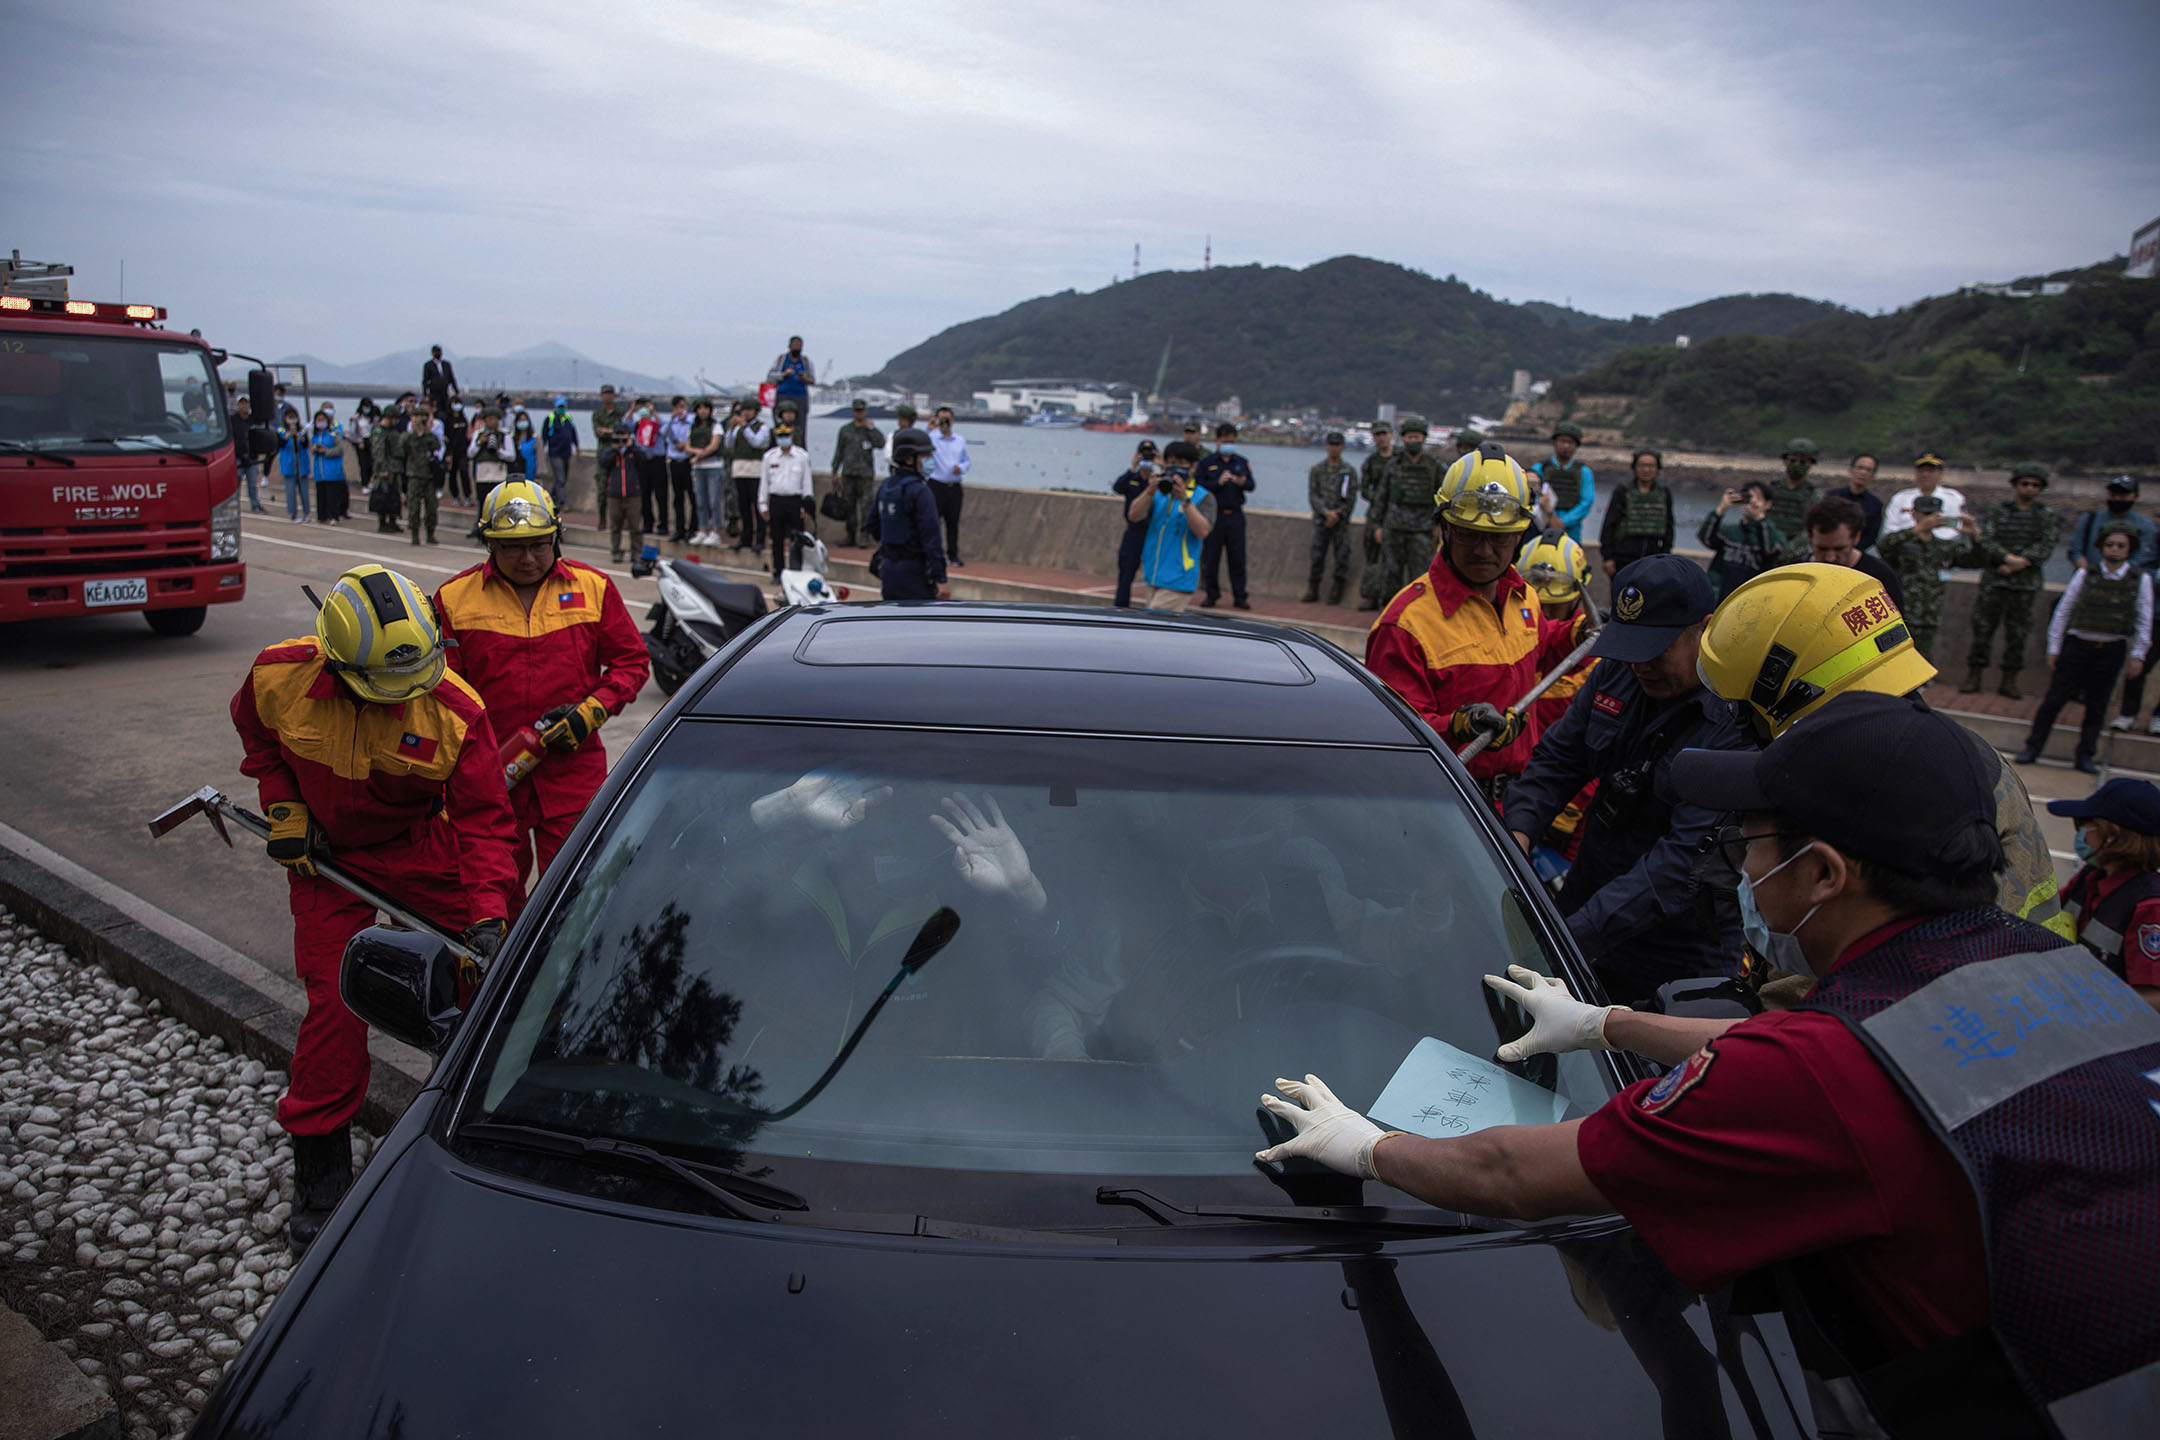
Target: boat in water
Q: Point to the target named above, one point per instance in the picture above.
(1054, 420)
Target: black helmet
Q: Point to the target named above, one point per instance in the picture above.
(910, 444)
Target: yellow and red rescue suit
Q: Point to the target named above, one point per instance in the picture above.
(1441, 645)
(409, 798)
(577, 639)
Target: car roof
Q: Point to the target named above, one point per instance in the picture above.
(1053, 667)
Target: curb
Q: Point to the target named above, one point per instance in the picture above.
(189, 987)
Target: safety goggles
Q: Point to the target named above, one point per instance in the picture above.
(1491, 502)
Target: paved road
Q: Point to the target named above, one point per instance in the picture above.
(103, 724)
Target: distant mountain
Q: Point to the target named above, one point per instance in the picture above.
(1343, 335)
(2072, 376)
(546, 366)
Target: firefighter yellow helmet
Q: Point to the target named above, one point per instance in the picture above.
(1556, 567)
(518, 510)
(1485, 490)
(1792, 637)
(379, 634)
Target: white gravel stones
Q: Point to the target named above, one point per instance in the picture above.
(144, 1184)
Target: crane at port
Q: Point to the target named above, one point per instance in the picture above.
(1161, 370)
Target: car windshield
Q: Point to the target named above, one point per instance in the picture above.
(1150, 932)
(101, 393)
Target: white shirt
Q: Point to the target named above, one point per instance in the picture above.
(2060, 624)
(1897, 515)
(948, 456)
(785, 472)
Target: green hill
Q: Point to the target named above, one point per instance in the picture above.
(1344, 335)
(2072, 377)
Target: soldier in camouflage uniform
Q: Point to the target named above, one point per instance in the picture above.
(386, 464)
(1332, 488)
(1372, 484)
(418, 451)
(609, 432)
(1920, 559)
(854, 472)
(2016, 538)
(1406, 547)
(1795, 495)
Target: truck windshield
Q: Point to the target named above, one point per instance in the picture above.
(1150, 932)
(103, 394)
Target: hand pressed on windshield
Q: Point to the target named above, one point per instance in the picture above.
(821, 800)
(986, 852)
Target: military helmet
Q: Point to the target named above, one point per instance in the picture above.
(1485, 490)
(1792, 637)
(1412, 425)
(910, 444)
(1381, 427)
(518, 510)
(1568, 428)
(379, 634)
(1804, 447)
(1557, 567)
(1468, 438)
(2028, 468)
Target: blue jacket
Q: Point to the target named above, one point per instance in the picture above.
(1631, 899)
(330, 467)
(2083, 542)
(1170, 559)
(560, 432)
(904, 523)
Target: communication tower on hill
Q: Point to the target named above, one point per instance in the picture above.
(1136, 260)
(1207, 254)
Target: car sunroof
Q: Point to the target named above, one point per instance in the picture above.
(1053, 645)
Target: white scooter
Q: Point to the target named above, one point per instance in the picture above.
(698, 611)
(805, 580)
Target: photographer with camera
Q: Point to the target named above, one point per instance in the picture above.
(1177, 523)
(1631, 898)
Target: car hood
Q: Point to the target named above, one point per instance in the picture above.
(462, 1302)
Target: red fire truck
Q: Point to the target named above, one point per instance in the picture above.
(119, 486)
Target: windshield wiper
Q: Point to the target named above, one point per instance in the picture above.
(1423, 1220)
(157, 442)
(16, 447)
(749, 1199)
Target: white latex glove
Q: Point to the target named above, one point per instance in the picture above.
(825, 802)
(1327, 1130)
(1558, 1021)
(986, 852)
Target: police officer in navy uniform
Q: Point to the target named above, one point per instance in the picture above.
(1228, 477)
(1128, 487)
(904, 524)
(1632, 899)
(1943, 1166)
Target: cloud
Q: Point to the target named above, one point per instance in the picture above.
(677, 186)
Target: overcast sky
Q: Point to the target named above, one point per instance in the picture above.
(675, 187)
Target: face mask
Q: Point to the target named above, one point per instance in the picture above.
(2119, 507)
(1413, 446)
(1227, 448)
(1780, 947)
(2083, 847)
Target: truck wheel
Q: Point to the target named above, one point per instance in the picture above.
(184, 621)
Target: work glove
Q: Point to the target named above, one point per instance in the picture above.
(1559, 1022)
(1327, 1130)
(566, 726)
(986, 852)
(485, 937)
(294, 839)
(825, 802)
(1480, 718)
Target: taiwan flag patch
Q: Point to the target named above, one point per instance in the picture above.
(1675, 1083)
(416, 747)
(1526, 616)
(570, 600)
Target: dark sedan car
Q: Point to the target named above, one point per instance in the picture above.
(882, 1057)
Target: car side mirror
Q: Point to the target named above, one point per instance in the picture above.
(404, 983)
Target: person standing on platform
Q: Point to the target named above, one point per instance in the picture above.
(675, 445)
(784, 491)
(1128, 487)
(1331, 489)
(457, 454)
(1228, 477)
(854, 465)
(2102, 628)
(748, 440)
(2115, 897)
(386, 491)
(608, 432)
(1742, 541)
(1923, 561)
(903, 526)
(1406, 546)
(2084, 551)
(1373, 486)
(949, 464)
(421, 452)
(327, 449)
(558, 432)
(1927, 480)
(438, 381)
(1860, 489)
(708, 471)
(791, 377)
(1574, 487)
(360, 433)
(2016, 539)
(1179, 516)
(547, 642)
(1833, 532)
(1793, 496)
(1638, 517)
(489, 453)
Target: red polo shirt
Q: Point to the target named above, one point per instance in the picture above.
(1783, 1137)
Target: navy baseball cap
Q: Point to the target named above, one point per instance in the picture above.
(2132, 804)
(1881, 777)
(1654, 599)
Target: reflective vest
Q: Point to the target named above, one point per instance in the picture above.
(2109, 926)
(2032, 1062)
